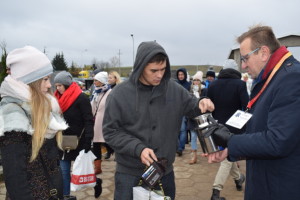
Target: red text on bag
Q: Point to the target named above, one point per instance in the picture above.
(83, 179)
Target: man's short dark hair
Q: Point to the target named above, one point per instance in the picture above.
(158, 58)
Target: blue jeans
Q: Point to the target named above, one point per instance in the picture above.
(194, 138)
(65, 166)
(125, 182)
(182, 135)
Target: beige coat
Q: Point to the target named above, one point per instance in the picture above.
(98, 134)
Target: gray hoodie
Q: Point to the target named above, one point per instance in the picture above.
(139, 116)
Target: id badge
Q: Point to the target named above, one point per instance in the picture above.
(239, 119)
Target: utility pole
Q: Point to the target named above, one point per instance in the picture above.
(132, 50)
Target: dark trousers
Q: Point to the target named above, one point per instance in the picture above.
(97, 150)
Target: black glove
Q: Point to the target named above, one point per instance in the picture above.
(220, 134)
(87, 145)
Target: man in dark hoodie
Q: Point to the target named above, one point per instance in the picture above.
(182, 79)
(142, 119)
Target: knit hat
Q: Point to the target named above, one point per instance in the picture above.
(28, 64)
(230, 63)
(211, 73)
(102, 77)
(64, 78)
(198, 75)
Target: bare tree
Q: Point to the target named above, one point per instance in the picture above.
(114, 61)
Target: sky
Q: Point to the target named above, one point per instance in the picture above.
(193, 32)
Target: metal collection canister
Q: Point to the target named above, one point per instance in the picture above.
(206, 141)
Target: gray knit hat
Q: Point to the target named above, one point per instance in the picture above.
(64, 78)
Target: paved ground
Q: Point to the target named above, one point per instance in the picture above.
(193, 182)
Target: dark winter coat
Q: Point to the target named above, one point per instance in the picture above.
(271, 144)
(27, 180)
(139, 116)
(185, 82)
(229, 94)
(16, 147)
(78, 116)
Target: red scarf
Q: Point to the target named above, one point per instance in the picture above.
(66, 99)
(274, 59)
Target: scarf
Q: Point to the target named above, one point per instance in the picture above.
(274, 59)
(66, 99)
(98, 90)
(16, 92)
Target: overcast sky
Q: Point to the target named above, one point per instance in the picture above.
(191, 31)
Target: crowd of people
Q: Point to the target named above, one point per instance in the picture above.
(256, 114)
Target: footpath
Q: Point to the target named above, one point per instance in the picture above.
(193, 182)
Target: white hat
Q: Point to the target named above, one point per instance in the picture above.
(102, 77)
(28, 64)
(230, 63)
(198, 75)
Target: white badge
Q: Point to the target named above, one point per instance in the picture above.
(239, 119)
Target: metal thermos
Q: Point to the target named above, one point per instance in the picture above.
(206, 141)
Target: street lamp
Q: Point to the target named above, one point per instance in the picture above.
(132, 49)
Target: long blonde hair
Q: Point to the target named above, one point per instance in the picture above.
(117, 76)
(40, 117)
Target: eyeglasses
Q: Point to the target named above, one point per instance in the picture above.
(246, 57)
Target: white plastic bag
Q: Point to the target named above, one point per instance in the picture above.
(140, 193)
(83, 175)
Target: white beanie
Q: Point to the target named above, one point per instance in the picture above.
(230, 63)
(198, 75)
(102, 77)
(28, 64)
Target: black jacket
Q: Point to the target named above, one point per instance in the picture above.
(229, 94)
(27, 180)
(78, 116)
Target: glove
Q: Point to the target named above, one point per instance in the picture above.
(87, 145)
(222, 135)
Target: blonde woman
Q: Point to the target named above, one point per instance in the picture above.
(196, 90)
(30, 128)
(113, 79)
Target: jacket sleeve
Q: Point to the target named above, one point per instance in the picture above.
(280, 138)
(15, 157)
(114, 135)
(86, 111)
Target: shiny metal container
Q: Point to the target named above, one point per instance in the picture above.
(206, 141)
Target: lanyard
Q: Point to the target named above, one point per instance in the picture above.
(276, 68)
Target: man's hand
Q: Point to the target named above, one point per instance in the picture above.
(148, 156)
(217, 156)
(206, 105)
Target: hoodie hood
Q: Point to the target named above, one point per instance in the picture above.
(229, 73)
(145, 53)
(185, 75)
